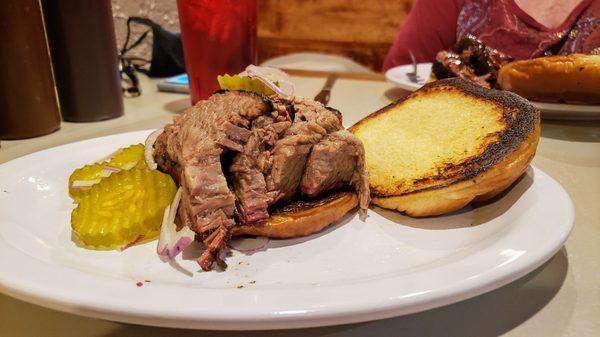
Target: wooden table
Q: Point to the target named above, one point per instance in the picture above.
(561, 298)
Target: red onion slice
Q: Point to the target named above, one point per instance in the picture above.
(269, 76)
(108, 170)
(248, 244)
(149, 149)
(171, 242)
(111, 168)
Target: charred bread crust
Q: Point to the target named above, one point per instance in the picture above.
(303, 217)
(520, 119)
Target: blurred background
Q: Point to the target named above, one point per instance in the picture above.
(120, 48)
(362, 31)
(81, 75)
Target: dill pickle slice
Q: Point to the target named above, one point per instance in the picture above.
(87, 173)
(123, 207)
(127, 157)
(236, 82)
(124, 159)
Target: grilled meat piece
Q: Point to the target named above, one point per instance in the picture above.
(335, 162)
(449, 64)
(248, 168)
(471, 60)
(195, 142)
(312, 122)
(237, 153)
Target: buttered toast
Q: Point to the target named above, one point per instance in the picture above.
(445, 145)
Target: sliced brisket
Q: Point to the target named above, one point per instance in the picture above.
(248, 167)
(237, 153)
(312, 122)
(337, 161)
(190, 150)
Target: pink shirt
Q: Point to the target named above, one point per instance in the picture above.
(435, 25)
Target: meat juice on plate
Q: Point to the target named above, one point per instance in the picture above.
(219, 37)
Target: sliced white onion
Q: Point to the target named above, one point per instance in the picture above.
(84, 183)
(272, 73)
(248, 245)
(171, 242)
(149, 149)
(111, 168)
(108, 170)
(269, 76)
(129, 166)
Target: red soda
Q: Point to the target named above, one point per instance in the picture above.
(219, 37)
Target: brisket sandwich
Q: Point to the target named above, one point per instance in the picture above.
(274, 166)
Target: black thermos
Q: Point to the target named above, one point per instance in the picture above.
(82, 43)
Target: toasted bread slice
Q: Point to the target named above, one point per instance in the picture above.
(447, 144)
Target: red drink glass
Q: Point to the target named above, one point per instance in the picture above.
(219, 37)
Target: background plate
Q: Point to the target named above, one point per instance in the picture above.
(353, 271)
(562, 111)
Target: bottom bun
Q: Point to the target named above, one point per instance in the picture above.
(303, 217)
(484, 186)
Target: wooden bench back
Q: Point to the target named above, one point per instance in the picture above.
(361, 30)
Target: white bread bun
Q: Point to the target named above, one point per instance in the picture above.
(571, 78)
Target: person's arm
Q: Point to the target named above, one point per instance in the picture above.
(429, 28)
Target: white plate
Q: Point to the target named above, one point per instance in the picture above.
(354, 271)
(564, 111)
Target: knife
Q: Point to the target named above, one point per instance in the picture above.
(325, 93)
